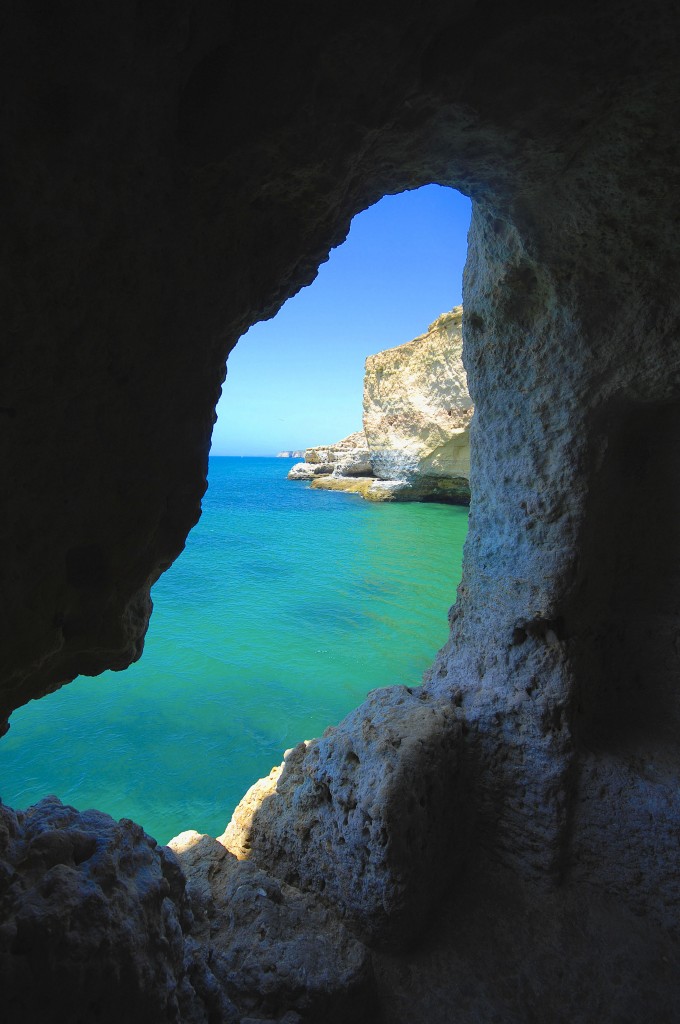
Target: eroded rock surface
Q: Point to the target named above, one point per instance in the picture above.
(417, 413)
(415, 444)
(383, 787)
(309, 470)
(271, 948)
(90, 906)
(92, 919)
(349, 457)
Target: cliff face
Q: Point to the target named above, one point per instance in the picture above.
(417, 412)
(415, 444)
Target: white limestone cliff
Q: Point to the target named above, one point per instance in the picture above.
(415, 444)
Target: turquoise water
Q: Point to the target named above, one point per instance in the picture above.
(287, 606)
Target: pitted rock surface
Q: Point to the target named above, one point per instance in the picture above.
(273, 949)
(383, 787)
(92, 916)
(417, 413)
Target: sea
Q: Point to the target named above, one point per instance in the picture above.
(287, 606)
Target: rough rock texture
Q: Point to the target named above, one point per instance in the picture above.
(171, 174)
(271, 948)
(92, 914)
(349, 457)
(357, 787)
(367, 486)
(309, 470)
(416, 437)
(90, 906)
(417, 414)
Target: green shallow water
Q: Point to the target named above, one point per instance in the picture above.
(287, 606)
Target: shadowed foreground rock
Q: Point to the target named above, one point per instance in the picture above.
(93, 917)
(383, 785)
(272, 948)
(91, 906)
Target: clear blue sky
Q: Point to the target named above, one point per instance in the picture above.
(297, 380)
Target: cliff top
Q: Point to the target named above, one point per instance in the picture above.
(452, 318)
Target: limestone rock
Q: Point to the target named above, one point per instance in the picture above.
(417, 413)
(381, 787)
(349, 457)
(90, 906)
(173, 174)
(366, 486)
(416, 441)
(307, 470)
(350, 448)
(272, 949)
(297, 454)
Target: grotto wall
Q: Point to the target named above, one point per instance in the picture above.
(171, 174)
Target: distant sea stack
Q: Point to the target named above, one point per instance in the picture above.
(299, 454)
(415, 445)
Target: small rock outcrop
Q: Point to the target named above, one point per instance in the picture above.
(297, 454)
(185, 934)
(309, 470)
(382, 784)
(415, 445)
(347, 458)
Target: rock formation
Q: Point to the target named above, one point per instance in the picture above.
(171, 174)
(417, 412)
(347, 458)
(415, 444)
(297, 454)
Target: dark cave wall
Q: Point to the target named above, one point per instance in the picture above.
(173, 175)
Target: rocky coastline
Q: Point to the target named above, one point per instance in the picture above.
(415, 442)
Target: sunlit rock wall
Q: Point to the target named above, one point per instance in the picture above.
(417, 412)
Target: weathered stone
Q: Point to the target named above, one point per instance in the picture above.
(383, 787)
(308, 470)
(92, 914)
(273, 949)
(349, 457)
(367, 486)
(350, 449)
(417, 413)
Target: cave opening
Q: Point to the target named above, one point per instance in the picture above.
(162, 742)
